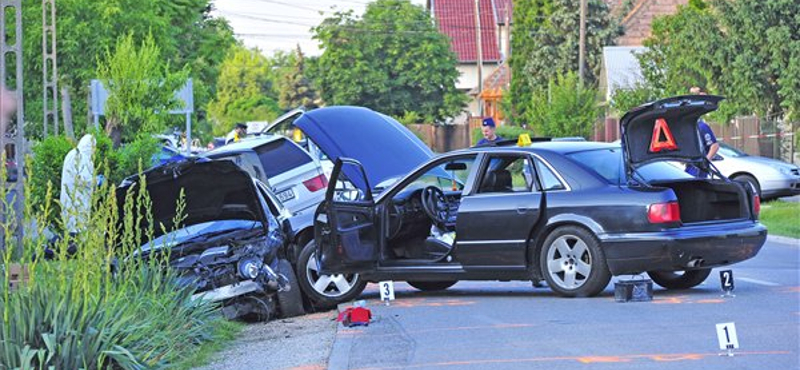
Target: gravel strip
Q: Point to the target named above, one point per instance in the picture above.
(298, 343)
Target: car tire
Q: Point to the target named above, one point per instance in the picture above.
(749, 180)
(573, 262)
(339, 288)
(290, 302)
(432, 286)
(675, 280)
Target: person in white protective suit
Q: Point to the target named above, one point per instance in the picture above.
(77, 184)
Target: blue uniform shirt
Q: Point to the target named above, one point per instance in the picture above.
(708, 139)
(487, 141)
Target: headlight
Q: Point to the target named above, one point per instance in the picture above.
(249, 268)
(782, 169)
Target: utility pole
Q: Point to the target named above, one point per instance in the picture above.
(49, 66)
(480, 54)
(12, 47)
(582, 43)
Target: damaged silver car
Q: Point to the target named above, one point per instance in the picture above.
(228, 245)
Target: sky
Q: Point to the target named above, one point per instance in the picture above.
(274, 25)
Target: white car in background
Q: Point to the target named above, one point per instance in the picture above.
(296, 178)
(770, 177)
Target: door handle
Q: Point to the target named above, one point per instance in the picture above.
(522, 210)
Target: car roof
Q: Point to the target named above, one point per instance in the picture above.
(562, 147)
(246, 144)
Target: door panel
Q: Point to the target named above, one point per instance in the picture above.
(345, 226)
(495, 223)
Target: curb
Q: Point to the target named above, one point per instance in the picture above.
(784, 240)
(342, 344)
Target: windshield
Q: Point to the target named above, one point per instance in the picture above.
(608, 164)
(730, 152)
(194, 232)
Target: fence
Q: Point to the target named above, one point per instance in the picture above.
(443, 138)
(750, 134)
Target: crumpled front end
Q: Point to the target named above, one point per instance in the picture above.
(241, 274)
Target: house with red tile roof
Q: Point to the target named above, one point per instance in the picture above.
(620, 66)
(456, 19)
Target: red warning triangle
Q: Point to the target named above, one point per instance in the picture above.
(656, 143)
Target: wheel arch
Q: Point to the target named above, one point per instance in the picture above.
(744, 173)
(536, 242)
(303, 237)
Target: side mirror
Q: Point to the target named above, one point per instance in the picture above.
(455, 166)
(717, 157)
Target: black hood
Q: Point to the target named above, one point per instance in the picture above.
(213, 191)
(665, 130)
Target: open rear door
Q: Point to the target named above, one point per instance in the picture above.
(345, 225)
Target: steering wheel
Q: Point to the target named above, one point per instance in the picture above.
(435, 204)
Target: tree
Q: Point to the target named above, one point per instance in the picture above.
(529, 16)
(625, 99)
(392, 60)
(545, 43)
(140, 88)
(746, 50)
(244, 92)
(564, 109)
(762, 46)
(186, 34)
(295, 87)
(683, 51)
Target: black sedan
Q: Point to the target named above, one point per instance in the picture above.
(571, 213)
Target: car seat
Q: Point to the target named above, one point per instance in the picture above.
(497, 181)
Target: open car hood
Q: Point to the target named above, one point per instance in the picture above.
(381, 144)
(213, 191)
(665, 130)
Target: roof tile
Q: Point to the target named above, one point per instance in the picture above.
(456, 19)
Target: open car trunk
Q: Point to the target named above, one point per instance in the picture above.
(708, 200)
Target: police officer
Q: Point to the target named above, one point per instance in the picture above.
(488, 129)
(238, 133)
(710, 143)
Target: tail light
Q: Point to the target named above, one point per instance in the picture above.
(317, 183)
(757, 205)
(661, 213)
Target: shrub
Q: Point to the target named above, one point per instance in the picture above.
(73, 313)
(625, 99)
(565, 109)
(45, 171)
(131, 156)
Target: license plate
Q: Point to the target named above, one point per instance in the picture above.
(285, 195)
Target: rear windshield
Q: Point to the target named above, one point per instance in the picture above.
(280, 156)
(608, 164)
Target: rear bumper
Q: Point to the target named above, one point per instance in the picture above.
(686, 248)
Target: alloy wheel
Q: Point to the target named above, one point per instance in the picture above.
(569, 262)
(333, 286)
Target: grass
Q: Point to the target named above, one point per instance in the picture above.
(782, 218)
(225, 332)
(72, 313)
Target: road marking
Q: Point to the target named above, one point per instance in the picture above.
(437, 330)
(756, 281)
(662, 357)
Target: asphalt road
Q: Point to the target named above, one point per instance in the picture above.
(510, 325)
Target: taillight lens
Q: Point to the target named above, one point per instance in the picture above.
(757, 205)
(660, 213)
(318, 183)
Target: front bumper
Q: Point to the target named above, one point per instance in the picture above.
(780, 188)
(684, 248)
(228, 291)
